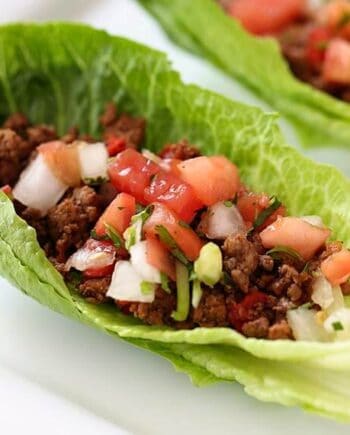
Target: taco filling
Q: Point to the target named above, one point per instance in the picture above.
(173, 238)
(314, 37)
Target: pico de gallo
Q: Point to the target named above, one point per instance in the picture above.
(314, 37)
(175, 237)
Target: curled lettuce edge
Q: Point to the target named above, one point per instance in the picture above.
(257, 64)
(46, 71)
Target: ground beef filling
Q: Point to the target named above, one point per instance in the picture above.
(256, 290)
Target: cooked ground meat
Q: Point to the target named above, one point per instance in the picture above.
(35, 219)
(181, 150)
(240, 260)
(212, 310)
(159, 311)
(71, 221)
(95, 289)
(280, 330)
(17, 122)
(258, 328)
(107, 192)
(132, 129)
(39, 134)
(14, 152)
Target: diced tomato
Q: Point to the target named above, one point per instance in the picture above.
(317, 43)
(336, 67)
(63, 161)
(99, 272)
(131, 172)
(115, 145)
(186, 239)
(175, 193)
(266, 16)
(118, 214)
(170, 165)
(240, 313)
(7, 190)
(336, 16)
(213, 178)
(336, 268)
(250, 205)
(295, 233)
(158, 256)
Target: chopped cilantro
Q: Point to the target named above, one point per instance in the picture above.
(265, 214)
(114, 236)
(183, 224)
(338, 326)
(95, 181)
(147, 287)
(168, 240)
(279, 251)
(164, 282)
(228, 203)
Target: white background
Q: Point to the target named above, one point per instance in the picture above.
(60, 377)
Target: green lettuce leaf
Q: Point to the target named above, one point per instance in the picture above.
(64, 74)
(203, 28)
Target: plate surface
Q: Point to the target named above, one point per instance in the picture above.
(62, 377)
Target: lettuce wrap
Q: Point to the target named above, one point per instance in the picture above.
(257, 64)
(64, 74)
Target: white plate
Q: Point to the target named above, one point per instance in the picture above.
(60, 377)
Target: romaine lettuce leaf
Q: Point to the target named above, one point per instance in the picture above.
(64, 74)
(203, 28)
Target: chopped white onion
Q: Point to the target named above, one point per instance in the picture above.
(151, 156)
(338, 323)
(38, 187)
(305, 326)
(316, 221)
(138, 259)
(126, 284)
(93, 160)
(221, 221)
(338, 300)
(86, 258)
(322, 292)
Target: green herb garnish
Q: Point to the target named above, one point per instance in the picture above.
(338, 326)
(228, 203)
(265, 214)
(74, 277)
(147, 287)
(168, 240)
(183, 224)
(114, 236)
(278, 252)
(164, 282)
(95, 181)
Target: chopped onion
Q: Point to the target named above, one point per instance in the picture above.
(138, 259)
(316, 221)
(38, 187)
(151, 156)
(93, 160)
(338, 300)
(305, 326)
(338, 323)
(126, 284)
(221, 220)
(322, 292)
(87, 258)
